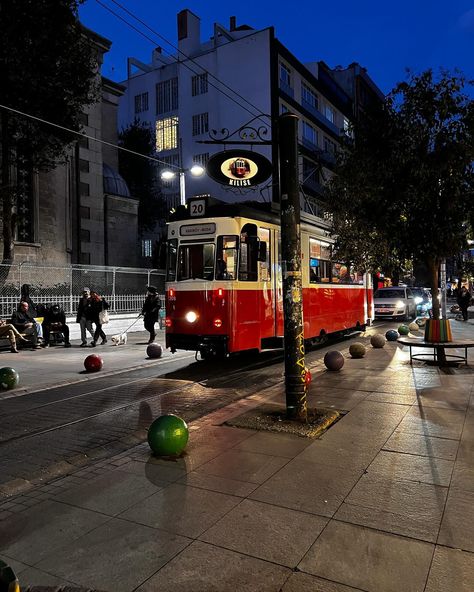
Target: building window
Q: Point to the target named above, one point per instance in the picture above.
(83, 165)
(285, 74)
(308, 96)
(310, 134)
(200, 124)
(167, 96)
(329, 113)
(84, 189)
(166, 134)
(84, 142)
(199, 84)
(141, 102)
(85, 213)
(85, 235)
(146, 247)
(347, 127)
(284, 109)
(201, 159)
(83, 119)
(329, 146)
(86, 258)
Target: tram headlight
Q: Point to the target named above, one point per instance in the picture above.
(218, 323)
(191, 316)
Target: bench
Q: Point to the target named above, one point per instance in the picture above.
(460, 344)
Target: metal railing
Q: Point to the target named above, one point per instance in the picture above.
(123, 287)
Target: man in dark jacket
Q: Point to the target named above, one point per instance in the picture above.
(55, 320)
(464, 300)
(83, 316)
(151, 311)
(24, 322)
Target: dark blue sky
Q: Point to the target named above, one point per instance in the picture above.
(385, 37)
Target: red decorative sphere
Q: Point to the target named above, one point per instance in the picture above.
(307, 376)
(93, 363)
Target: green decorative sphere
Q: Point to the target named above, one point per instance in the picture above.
(413, 327)
(357, 350)
(9, 378)
(403, 330)
(377, 341)
(168, 435)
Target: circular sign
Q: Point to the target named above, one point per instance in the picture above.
(239, 168)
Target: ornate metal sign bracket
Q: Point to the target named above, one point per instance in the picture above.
(250, 134)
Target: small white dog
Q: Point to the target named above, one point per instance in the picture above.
(120, 339)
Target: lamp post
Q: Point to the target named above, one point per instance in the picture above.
(196, 170)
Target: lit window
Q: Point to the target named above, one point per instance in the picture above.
(329, 113)
(146, 248)
(167, 134)
(310, 134)
(308, 96)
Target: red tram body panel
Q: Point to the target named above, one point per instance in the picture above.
(224, 283)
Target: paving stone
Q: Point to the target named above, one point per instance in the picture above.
(154, 469)
(219, 484)
(457, 528)
(463, 475)
(33, 576)
(285, 445)
(207, 568)
(308, 486)
(301, 582)
(451, 570)
(41, 530)
(452, 398)
(368, 559)
(401, 507)
(111, 493)
(263, 531)
(117, 556)
(441, 423)
(421, 445)
(409, 467)
(184, 510)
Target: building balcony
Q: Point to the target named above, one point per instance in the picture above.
(313, 185)
(286, 88)
(320, 117)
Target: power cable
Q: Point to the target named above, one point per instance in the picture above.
(187, 57)
(261, 114)
(82, 135)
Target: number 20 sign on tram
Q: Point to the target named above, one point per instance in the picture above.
(224, 290)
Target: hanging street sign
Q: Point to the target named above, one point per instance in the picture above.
(239, 168)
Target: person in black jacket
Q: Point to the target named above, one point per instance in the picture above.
(24, 322)
(98, 304)
(464, 300)
(82, 316)
(55, 320)
(151, 311)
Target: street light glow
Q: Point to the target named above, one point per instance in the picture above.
(196, 170)
(167, 175)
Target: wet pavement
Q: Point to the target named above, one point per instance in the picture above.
(382, 502)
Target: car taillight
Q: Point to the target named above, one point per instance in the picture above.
(217, 323)
(168, 322)
(171, 293)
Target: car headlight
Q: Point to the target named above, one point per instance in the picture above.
(399, 304)
(191, 316)
(418, 299)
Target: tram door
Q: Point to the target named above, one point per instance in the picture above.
(277, 285)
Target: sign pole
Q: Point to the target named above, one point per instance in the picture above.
(295, 370)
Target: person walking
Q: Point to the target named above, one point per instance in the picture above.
(83, 317)
(151, 311)
(55, 320)
(464, 300)
(7, 329)
(96, 314)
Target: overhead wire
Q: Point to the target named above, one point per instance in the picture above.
(204, 70)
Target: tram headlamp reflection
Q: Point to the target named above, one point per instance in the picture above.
(191, 316)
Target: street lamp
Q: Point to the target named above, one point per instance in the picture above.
(196, 170)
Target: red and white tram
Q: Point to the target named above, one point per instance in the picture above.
(224, 281)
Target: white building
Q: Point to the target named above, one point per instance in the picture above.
(206, 87)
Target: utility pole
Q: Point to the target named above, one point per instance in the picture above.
(295, 371)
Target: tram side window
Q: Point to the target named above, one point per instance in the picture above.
(196, 262)
(264, 255)
(171, 258)
(319, 262)
(340, 273)
(226, 262)
(248, 267)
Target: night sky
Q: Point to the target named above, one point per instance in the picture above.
(385, 37)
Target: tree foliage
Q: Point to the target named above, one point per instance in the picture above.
(404, 187)
(139, 172)
(49, 70)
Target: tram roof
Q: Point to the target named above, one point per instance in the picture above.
(263, 211)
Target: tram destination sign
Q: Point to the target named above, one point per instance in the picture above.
(239, 168)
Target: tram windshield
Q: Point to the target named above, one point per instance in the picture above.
(196, 262)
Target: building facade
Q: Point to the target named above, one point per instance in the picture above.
(240, 76)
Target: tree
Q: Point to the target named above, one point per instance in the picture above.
(49, 70)
(404, 186)
(139, 172)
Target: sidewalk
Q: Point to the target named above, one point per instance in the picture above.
(382, 502)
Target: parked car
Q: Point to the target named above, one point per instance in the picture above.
(395, 302)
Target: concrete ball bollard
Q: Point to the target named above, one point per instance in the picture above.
(392, 335)
(377, 341)
(334, 360)
(413, 327)
(357, 350)
(154, 350)
(403, 330)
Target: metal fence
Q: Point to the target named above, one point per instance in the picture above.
(122, 287)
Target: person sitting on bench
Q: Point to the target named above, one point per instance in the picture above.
(55, 321)
(23, 320)
(8, 330)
